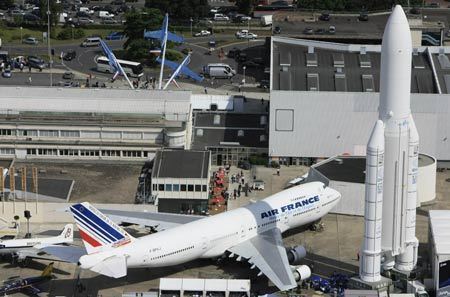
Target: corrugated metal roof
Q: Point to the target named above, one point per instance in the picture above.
(328, 124)
(440, 226)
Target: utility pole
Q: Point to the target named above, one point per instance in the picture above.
(50, 61)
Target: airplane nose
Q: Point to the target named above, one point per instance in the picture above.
(333, 194)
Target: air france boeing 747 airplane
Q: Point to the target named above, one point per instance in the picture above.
(252, 232)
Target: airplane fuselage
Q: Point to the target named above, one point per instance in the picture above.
(214, 235)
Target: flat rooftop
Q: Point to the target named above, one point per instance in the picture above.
(239, 129)
(181, 164)
(301, 65)
(353, 169)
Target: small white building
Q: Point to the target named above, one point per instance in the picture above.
(180, 181)
(439, 241)
(204, 287)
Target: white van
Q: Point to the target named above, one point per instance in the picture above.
(105, 15)
(86, 10)
(91, 41)
(219, 70)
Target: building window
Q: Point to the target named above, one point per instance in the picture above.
(31, 151)
(68, 152)
(6, 151)
(48, 152)
(204, 188)
(190, 188)
(183, 188)
(27, 132)
(176, 187)
(70, 134)
(240, 133)
(155, 186)
(110, 153)
(5, 132)
(48, 133)
(131, 154)
(161, 187)
(217, 119)
(198, 188)
(89, 153)
(111, 134)
(168, 187)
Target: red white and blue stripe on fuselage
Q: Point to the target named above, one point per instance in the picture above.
(94, 230)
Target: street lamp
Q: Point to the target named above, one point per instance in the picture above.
(191, 20)
(21, 35)
(73, 26)
(48, 43)
(243, 68)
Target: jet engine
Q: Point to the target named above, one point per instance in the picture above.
(295, 254)
(301, 272)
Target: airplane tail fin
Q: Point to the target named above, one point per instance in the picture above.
(48, 270)
(67, 234)
(97, 231)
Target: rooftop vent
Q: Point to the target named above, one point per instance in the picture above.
(310, 49)
(338, 60)
(313, 81)
(364, 61)
(340, 83)
(367, 82)
(285, 59)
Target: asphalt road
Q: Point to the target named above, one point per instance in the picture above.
(84, 64)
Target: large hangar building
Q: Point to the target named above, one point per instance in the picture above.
(324, 99)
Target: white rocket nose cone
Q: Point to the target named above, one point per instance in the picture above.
(395, 80)
(376, 140)
(397, 30)
(398, 16)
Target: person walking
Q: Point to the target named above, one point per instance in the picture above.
(29, 79)
(278, 171)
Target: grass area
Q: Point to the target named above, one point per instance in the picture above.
(12, 35)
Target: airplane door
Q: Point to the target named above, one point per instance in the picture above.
(204, 243)
(286, 220)
(242, 231)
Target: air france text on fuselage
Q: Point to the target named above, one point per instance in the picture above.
(291, 206)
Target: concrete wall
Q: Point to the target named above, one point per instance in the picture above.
(352, 201)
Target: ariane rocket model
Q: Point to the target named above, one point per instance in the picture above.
(392, 162)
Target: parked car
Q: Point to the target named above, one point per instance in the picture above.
(70, 55)
(31, 40)
(264, 84)
(244, 165)
(245, 34)
(308, 31)
(233, 53)
(36, 62)
(68, 75)
(115, 36)
(202, 33)
(220, 17)
(324, 17)
(7, 73)
(332, 30)
(320, 31)
(363, 17)
(258, 185)
(277, 30)
(84, 21)
(109, 21)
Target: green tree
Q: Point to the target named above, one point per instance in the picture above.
(138, 21)
(180, 9)
(245, 6)
(138, 50)
(55, 10)
(5, 4)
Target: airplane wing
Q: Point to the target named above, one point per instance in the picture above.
(268, 253)
(184, 70)
(70, 254)
(157, 35)
(161, 221)
(32, 290)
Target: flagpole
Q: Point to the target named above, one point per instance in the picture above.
(164, 41)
